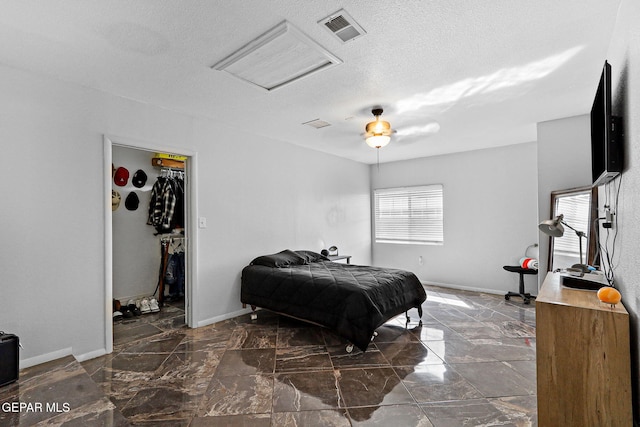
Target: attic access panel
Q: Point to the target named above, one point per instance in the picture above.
(280, 56)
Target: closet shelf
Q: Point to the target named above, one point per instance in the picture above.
(167, 163)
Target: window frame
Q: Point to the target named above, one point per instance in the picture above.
(423, 225)
(592, 238)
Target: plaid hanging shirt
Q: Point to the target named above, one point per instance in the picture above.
(162, 204)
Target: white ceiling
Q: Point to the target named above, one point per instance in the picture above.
(485, 71)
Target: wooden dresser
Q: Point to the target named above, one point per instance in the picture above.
(583, 358)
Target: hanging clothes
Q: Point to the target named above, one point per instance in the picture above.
(172, 268)
(166, 203)
(174, 276)
(177, 220)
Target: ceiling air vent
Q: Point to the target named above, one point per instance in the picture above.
(317, 123)
(343, 26)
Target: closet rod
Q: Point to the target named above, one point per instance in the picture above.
(168, 172)
(171, 236)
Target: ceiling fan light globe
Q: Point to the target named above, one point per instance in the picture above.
(378, 141)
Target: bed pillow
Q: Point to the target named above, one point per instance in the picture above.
(311, 256)
(281, 259)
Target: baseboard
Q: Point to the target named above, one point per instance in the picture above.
(44, 358)
(465, 288)
(91, 355)
(213, 320)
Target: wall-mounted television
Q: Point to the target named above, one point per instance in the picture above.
(606, 134)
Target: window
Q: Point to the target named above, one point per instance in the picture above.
(575, 209)
(409, 215)
(577, 206)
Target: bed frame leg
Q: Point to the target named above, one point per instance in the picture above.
(406, 313)
(254, 315)
(349, 348)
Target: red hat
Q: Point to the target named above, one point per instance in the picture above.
(122, 177)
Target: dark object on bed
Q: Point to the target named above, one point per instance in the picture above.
(351, 300)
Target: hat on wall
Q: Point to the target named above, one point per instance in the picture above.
(132, 201)
(121, 177)
(115, 200)
(139, 179)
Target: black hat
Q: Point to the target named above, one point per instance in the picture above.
(139, 179)
(132, 201)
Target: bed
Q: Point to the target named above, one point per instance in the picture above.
(351, 300)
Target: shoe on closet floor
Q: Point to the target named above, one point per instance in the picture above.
(126, 313)
(144, 306)
(117, 315)
(174, 297)
(134, 307)
(153, 305)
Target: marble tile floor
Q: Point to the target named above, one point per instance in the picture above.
(471, 363)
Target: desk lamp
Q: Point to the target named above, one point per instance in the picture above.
(554, 228)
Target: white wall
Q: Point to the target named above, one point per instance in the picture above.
(490, 214)
(136, 251)
(259, 196)
(570, 137)
(624, 57)
(564, 162)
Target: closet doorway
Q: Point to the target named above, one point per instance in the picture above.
(148, 266)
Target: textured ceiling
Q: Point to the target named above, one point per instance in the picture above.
(451, 75)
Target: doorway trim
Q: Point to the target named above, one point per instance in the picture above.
(191, 209)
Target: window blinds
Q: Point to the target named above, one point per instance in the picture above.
(409, 214)
(576, 213)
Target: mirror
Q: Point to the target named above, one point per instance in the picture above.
(580, 208)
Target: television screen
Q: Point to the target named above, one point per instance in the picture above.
(606, 150)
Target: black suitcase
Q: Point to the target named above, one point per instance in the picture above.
(8, 358)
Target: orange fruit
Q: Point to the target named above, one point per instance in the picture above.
(609, 295)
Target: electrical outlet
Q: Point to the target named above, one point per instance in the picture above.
(608, 218)
(202, 222)
(608, 215)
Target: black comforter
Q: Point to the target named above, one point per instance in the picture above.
(352, 300)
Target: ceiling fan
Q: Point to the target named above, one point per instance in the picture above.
(378, 133)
